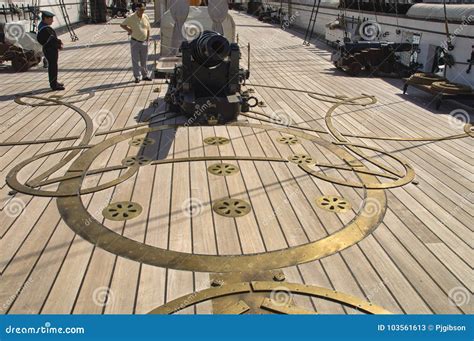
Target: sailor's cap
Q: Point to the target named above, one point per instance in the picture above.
(47, 14)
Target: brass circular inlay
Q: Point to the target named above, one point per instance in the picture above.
(288, 140)
(122, 210)
(73, 212)
(231, 207)
(136, 160)
(216, 140)
(141, 141)
(333, 203)
(98, 234)
(258, 287)
(301, 158)
(223, 169)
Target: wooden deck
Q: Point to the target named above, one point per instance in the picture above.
(417, 260)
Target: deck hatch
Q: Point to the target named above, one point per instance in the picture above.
(136, 160)
(288, 140)
(216, 140)
(122, 210)
(141, 141)
(333, 203)
(231, 207)
(301, 158)
(223, 169)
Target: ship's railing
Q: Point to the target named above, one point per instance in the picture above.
(31, 13)
(14, 12)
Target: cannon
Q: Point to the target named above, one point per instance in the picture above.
(379, 57)
(118, 9)
(206, 86)
(23, 52)
(270, 15)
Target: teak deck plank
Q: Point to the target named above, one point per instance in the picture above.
(409, 264)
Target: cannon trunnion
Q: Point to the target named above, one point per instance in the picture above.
(206, 86)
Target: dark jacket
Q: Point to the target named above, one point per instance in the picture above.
(47, 37)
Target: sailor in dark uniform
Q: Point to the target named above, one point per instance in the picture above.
(51, 44)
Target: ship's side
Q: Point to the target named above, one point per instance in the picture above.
(423, 19)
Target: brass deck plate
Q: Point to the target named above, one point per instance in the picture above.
(223, 169)
(287, 309)
(74, 213)
(136, 160)
(243, 292)
(288, 140)
(122, 210)
(301, 158)
(251, 301)
(99, 235)
(270, 119)
(231, 207)
(399, 178)
(236, 309)
(216, 140)
(333, 203)
(322, 293)
(46, 101)
(141, 141)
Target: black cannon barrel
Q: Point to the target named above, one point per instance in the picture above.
(210, 48)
